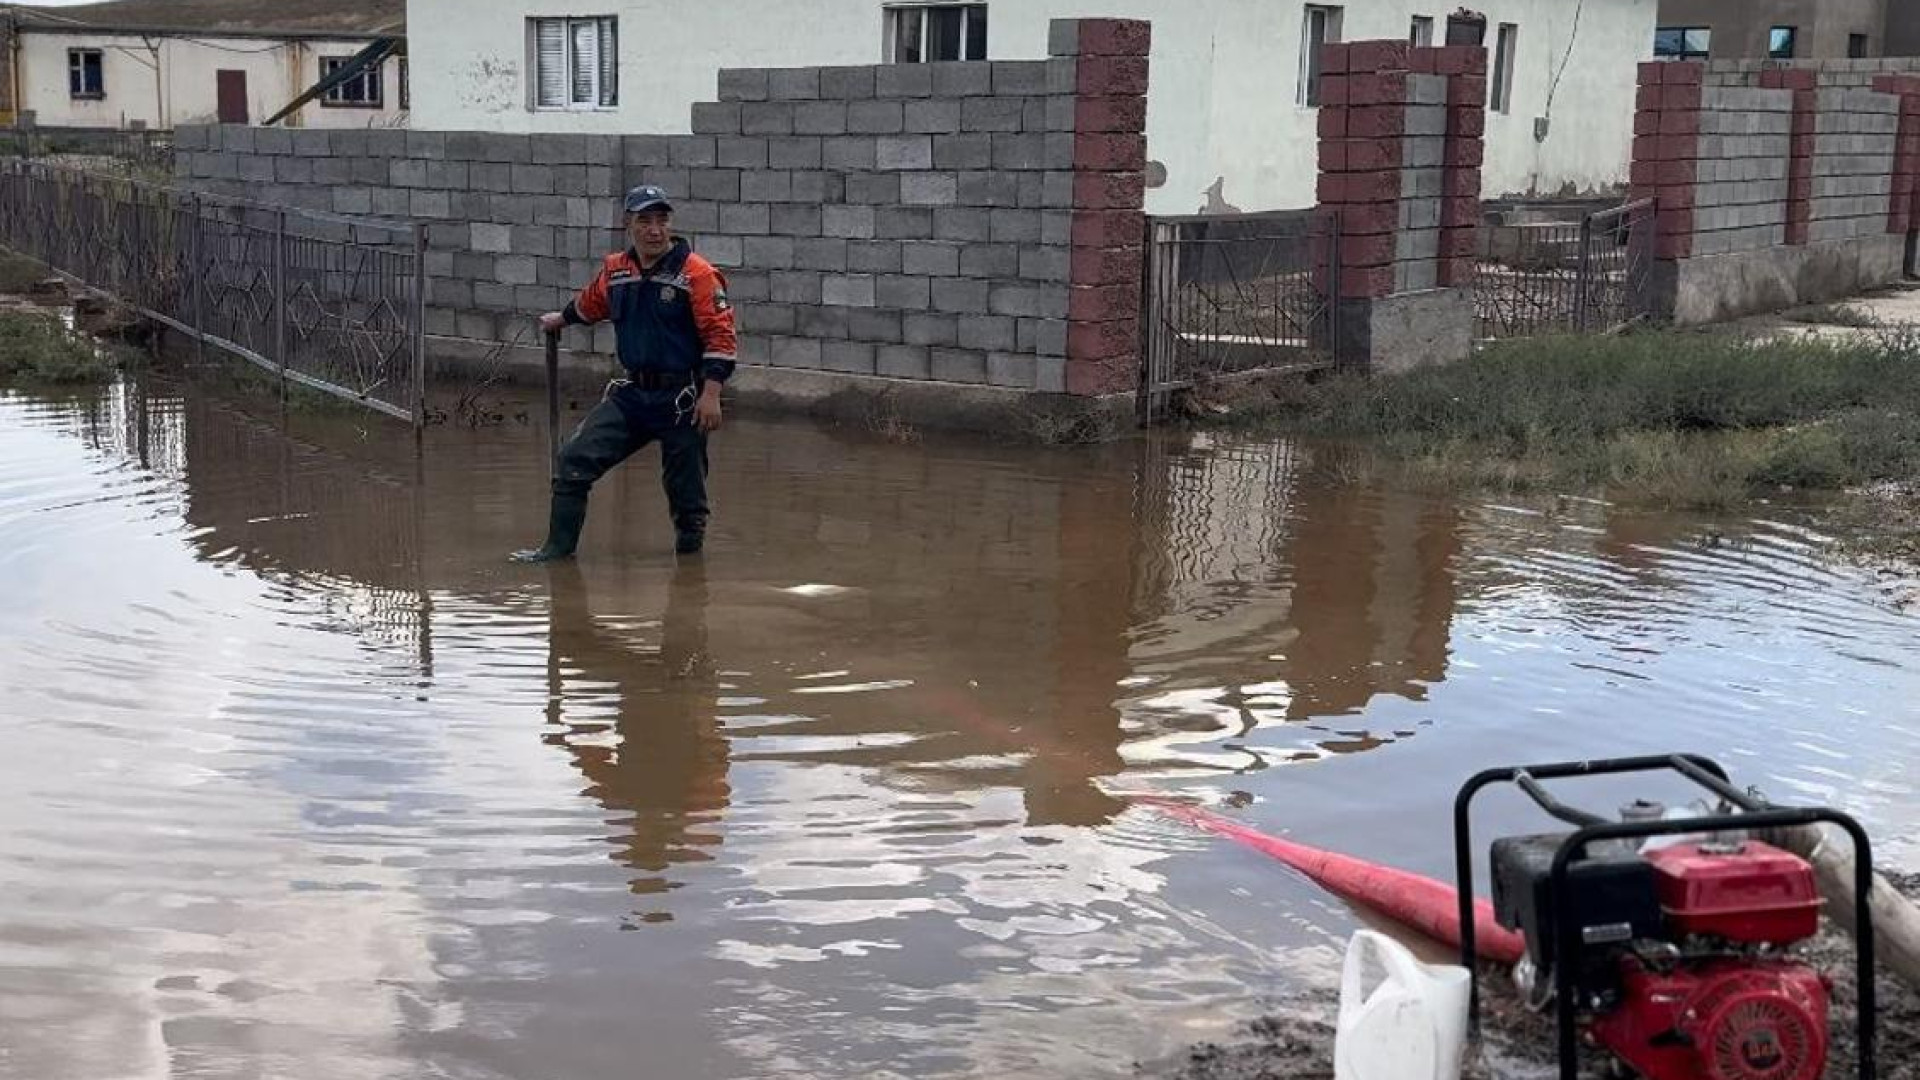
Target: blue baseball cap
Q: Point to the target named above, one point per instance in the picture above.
(647, 197)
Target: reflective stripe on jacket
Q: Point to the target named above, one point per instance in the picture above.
(671, 319)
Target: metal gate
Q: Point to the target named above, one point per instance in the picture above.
(334, 303)
(1232, 296)
(1590, 275)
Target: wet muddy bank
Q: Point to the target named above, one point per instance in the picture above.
(1664, 418)
(1294, 1041)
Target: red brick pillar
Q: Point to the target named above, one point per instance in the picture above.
(1363, 123)
(1800, 160)
(1666, 150)
(1465, 68)
(1108, 257)
(1903, 209)
(1401, 132)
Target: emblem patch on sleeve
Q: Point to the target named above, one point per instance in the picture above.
(720, 301)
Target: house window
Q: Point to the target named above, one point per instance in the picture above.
(1781, 41)
(920, 33)
(1681, 42)
(1502, 86)
(1322, 27)
(1856, 46)
(362, 90)
(406, 86)
(1421, 35)
(576, 62)
(1466, 30)
(86, 79)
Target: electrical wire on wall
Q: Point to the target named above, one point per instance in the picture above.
(1573, 38)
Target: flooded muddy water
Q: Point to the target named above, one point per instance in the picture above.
(301, 778)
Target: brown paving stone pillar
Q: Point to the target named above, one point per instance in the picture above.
(1802, 82)
(1901, 215)
(1666, 150)
(1108, 263)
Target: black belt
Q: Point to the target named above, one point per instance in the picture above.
(662, 380)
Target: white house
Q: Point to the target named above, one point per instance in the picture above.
(1230, 108)
(159, 63)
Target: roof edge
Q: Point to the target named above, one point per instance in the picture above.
(178, 32)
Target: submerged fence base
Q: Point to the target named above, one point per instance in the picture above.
(1235, 296)
(333, 303)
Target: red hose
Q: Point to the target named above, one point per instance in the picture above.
(1420, 902)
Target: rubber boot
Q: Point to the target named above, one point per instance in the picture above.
(689, 541)
(565, 520)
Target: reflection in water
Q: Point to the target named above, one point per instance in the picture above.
(308, 780)
(661, 758)
(1335, 595)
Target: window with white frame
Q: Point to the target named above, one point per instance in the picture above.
(1421, 33)
(1321, 27)
(86, 77)
(923, 33)
(406, 86)
(575, 62)
(1502, 85)
(362, 90)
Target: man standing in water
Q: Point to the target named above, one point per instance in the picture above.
(675, 334)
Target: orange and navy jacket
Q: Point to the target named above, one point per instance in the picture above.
(672, 319)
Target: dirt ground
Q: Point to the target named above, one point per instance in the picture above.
(1295, 1041)
(1864, 316)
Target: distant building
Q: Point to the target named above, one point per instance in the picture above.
(1232, 117)
(160, 63)
(1786, 29)
(1903, 27)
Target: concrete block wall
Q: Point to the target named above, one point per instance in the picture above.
(1740, 193)
(1856, 137)
(1742, 169)
(1859, 74)
(975, 223)
(1776, 185)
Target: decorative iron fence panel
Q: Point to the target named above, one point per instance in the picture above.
(334, 303)
(1230, 296)
(1589, 274)
(1617, 282)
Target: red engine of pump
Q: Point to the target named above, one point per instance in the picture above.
(1716, 1006)
(1722, 1020)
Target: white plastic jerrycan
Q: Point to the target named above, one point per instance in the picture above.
(1412, 1026)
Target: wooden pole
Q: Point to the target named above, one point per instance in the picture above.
(1896, 920)
(553, 401)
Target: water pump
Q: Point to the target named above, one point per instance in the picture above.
(1668, 938)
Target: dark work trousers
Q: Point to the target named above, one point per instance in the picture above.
(620, 427)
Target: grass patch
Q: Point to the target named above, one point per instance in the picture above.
(19, 274)
(39, 349)
(1676, 418)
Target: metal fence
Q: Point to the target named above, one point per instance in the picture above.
(1228, 296)
(1588, 273)
(333, 303)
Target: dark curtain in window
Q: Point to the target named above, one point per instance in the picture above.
(945, 28)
